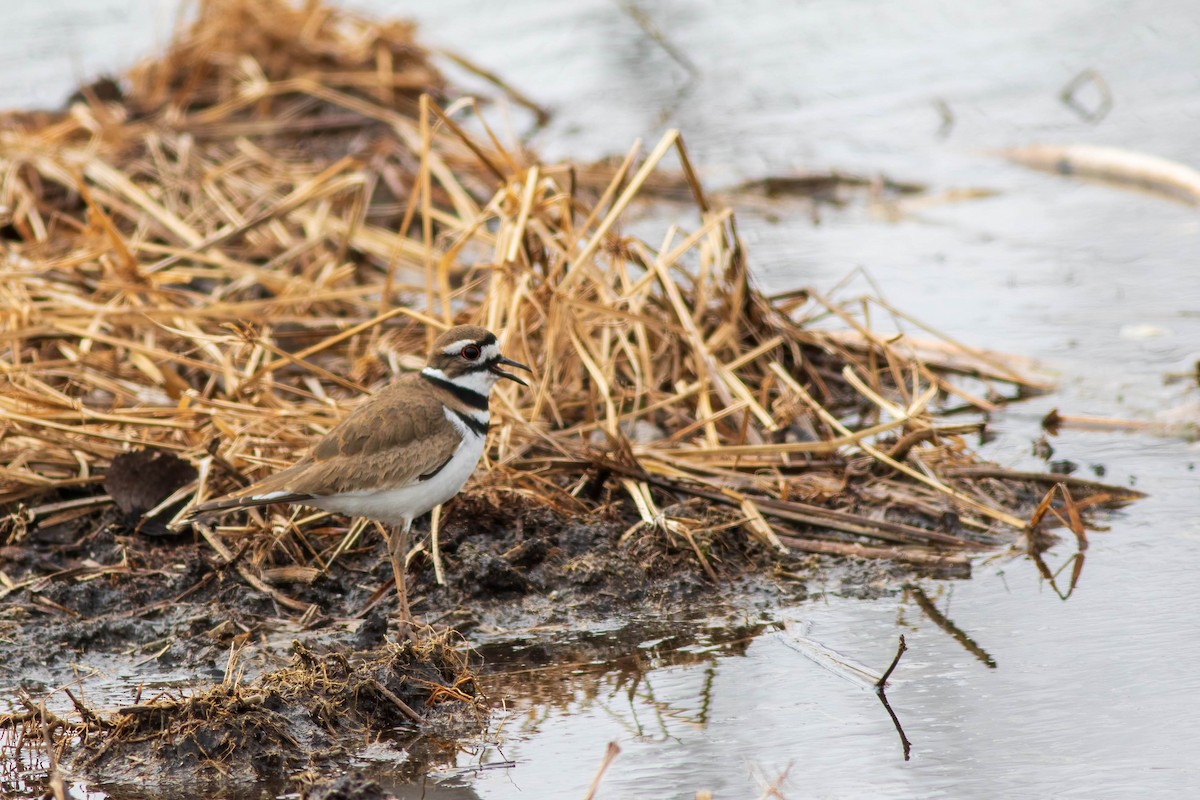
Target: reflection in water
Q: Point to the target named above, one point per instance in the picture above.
(669, 105)
(1076, 560)
(668, 684)
(657, 684)
(942, 621)
(1038, 541)
(881, 693)
(851, 670)
(633, 679)
(613, 673)
(20, 768)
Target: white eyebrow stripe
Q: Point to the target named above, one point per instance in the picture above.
(453, 348)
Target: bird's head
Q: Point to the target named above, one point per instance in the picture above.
(469, 356)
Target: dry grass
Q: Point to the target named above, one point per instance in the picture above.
(278, 215)
(296, 717)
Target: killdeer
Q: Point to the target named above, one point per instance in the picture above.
(409, 447)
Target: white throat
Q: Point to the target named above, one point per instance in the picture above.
(479, 381)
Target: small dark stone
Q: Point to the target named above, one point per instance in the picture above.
(140, 480)
(373, 631)
(105, 89)
(1063, 467)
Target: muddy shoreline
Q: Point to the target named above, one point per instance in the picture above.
(533, 601)
(93, 594)
(613, 609)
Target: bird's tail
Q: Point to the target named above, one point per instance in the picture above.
(241, 500)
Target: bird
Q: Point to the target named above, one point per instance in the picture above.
(407, 448)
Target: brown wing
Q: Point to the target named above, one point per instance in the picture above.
(394, 438)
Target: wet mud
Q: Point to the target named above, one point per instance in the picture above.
(304, 718)
(279, 697)
(95, 583)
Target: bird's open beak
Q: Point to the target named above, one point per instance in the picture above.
(508, 362)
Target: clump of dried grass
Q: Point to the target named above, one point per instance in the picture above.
(296, 717)
(277, 216)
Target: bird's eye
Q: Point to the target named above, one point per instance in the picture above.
(470, 352)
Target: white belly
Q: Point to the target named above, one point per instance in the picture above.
(401, 505)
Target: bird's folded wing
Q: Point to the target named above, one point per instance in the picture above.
(399, 465)
(394, 439)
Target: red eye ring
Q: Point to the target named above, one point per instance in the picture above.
(470, 352)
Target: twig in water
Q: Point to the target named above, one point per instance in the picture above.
(773, 789)
(1113, 165)
(541, 113)
(841, 665)
(881, 692)
(1036, 545)
(882, 682)
(56, 778)
(1069, 95)
(1055, 421)
(609, 755)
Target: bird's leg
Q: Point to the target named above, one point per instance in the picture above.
(398, 549)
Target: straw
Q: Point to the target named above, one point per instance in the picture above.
(276, 218)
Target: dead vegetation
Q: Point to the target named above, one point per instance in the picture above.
(302, 717)
(277, 215)
(205, 264)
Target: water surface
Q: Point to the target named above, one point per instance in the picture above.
(1091, 697)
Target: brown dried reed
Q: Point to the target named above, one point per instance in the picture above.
(278, 215)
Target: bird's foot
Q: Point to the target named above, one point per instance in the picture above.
(406, 631)
(409, 630)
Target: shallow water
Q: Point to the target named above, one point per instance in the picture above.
(1091, 697)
